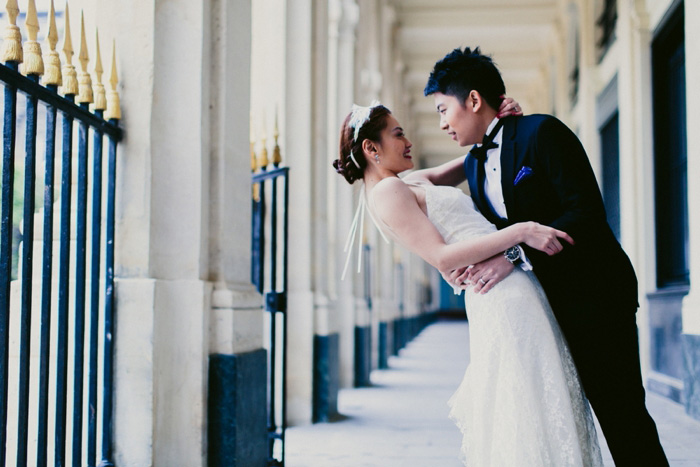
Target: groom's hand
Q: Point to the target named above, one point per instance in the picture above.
(488, 273)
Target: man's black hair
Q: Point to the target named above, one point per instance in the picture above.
(462, 71)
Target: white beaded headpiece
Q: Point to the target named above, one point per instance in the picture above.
(358, 117)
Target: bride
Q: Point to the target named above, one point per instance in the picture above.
(520, 402)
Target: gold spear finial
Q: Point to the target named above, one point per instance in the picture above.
(52, 71)
(113, 107)
(84, 80)
(253, 163)
(12, 41)
(263, 161)
(70, 80)
(276, 153)
(98, 88)
(33, 64)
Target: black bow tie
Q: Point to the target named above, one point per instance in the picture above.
(479, 152)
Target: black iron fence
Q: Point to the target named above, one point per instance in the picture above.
(57, 302)
(269, 274)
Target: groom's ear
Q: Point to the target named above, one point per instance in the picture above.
(474, 101)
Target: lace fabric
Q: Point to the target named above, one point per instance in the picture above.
(520, 402)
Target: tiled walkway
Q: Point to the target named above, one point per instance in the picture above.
(402, 419)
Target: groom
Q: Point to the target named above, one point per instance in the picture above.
(533, 168)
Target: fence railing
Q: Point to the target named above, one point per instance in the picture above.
(269, 274)
(64, 268)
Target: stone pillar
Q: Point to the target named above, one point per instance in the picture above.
(162, 292)
(342, 193)
(297, 115)
(386, 306)
(182, 186)
(584, 113)
(237, 380)
(326, 322)
(368, 88)
(691, 303)
(636, 155)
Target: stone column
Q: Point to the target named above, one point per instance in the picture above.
(636, 155)
(691, 303)
(326, 323)
(182, 177)
(237, 391)
(368, 88)
(162, 291)
(297, 115)
(386, 307)
(343, 194)
(584, 112)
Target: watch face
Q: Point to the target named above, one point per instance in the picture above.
(512, 254)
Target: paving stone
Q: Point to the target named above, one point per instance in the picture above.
(401, 420)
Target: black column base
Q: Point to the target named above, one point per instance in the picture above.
(237, 410)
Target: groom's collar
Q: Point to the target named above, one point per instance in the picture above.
(491, 126)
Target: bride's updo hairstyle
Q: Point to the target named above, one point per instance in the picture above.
(352, 166)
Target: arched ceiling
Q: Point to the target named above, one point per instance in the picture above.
(518, 34)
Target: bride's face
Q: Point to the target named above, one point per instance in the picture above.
(394, 149)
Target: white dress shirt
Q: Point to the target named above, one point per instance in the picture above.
(492, 184)
(492, 166)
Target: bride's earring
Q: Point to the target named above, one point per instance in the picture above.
(376, 158)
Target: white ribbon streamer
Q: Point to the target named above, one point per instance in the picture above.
(358, 218)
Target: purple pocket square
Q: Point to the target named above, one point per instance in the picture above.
(524, 173)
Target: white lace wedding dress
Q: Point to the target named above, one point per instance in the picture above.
(520, 402)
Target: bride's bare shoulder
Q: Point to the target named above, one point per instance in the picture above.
(392, 195)
(391, 189)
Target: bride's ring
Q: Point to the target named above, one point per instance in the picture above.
(483, 282)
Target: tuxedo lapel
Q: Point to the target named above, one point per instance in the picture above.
(470, 170)
(508, 162)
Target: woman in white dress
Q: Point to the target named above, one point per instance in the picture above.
(520, 403)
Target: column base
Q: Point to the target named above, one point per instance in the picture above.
(363, 352)
(691, 377)
(237, 406)
(326, 377)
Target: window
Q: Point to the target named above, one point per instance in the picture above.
(670, 154)
(610, 148)
(605, 27)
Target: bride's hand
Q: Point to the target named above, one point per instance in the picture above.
(544, 238)
(509, 107)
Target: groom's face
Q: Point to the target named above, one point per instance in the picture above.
(458, 119)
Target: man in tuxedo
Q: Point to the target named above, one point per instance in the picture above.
(533, 168)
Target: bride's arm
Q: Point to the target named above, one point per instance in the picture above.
(398, 207)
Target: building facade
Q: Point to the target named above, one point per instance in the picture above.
(208, 86)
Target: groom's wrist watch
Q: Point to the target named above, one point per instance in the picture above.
(513, 255)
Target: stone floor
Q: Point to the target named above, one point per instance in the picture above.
(402, 419)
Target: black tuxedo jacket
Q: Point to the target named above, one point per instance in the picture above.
(588, 283)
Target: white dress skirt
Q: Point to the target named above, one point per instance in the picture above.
(520, 402)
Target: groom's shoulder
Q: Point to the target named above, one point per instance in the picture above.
(538, 120)
(537, 123)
